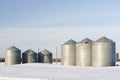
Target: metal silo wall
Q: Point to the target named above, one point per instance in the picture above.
(32, 58)
(103, 54)
(45, 57)
(84, 54)
(40, 58)
(29, 58)
(68, 54)
(24, 58)
(12, 57)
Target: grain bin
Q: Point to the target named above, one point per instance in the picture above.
(68, 53)
(12, 56)
(45, 56)
(103, 52)
(84, 53)
(29, 56)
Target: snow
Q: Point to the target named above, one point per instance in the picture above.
(37, 71)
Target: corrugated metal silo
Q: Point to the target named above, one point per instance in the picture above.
(45, 56)
(12, 56)
(103, 52)
(84, 53)
(68, 53)
(29, 56)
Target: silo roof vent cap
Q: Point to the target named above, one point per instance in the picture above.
(85, 41)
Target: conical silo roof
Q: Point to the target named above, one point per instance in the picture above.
(86, 40)
(45, 51)
(70, 42)
(29, 51)
(103, 39)
(13, 48)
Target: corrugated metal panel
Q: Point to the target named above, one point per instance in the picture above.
(103, 52)
(45, 56)
(29, 56)
(12, 56)
(68, 53)
(84, 53)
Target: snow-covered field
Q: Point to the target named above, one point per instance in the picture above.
(37, 71)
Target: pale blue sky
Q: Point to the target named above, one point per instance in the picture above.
(48, 23)
(41, 13)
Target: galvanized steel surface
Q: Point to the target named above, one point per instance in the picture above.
(29, 56)
(45, 56)
(84, 53)
(103, 52)
(68, 53)
(12, 56)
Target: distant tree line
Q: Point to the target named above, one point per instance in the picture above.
(2, 59)
(54, 59)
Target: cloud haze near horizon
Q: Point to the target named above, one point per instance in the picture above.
(52, 37)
